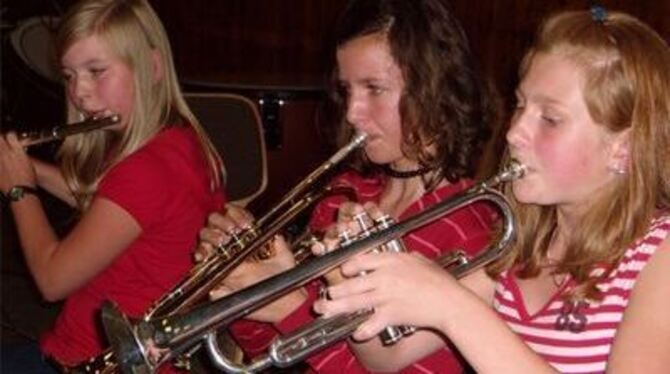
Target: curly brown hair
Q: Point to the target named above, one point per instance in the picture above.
(446, 104)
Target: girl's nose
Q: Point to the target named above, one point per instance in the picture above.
(80, 90)
(356, 111)
(516, 133)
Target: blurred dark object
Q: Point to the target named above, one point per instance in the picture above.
(32, 96)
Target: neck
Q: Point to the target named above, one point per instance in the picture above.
(567, 220)
(400, 193)
(405, 174)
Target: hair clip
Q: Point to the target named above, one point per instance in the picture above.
(599, 13)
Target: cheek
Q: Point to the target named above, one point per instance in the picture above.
(121, 95)
(390, 121)
(571, 163)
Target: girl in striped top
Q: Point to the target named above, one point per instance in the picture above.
(585, 287)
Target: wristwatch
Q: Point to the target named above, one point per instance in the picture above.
(17, 192)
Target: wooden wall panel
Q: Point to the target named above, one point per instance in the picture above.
(282, 47)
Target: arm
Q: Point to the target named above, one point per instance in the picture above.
(254, 271)
(642, 341)
(61, 267)
(457, 311)
(424, 342)
(50, 178)
(466, 230)
(219, 230)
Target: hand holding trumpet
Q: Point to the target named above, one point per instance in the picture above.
(351, 217)
(391, 293)
(221, 228)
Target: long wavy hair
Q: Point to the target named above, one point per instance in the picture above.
(445, 104)
(627, 87)
(132, 30)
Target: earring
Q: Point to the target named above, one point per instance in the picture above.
(617, 169)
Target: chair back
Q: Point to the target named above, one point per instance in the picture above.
(234, 126)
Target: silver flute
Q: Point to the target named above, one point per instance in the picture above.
(29, 138)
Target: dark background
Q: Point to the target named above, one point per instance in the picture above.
(264, 49)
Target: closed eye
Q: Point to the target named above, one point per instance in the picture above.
(375, 89)
(96, 72)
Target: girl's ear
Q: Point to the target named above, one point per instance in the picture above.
(157, 62)
(620, 153)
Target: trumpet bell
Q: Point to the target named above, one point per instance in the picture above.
(131, 356)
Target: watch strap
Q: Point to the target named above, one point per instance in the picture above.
(17, 192)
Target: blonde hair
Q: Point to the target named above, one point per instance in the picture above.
(133, 31)
(627, 69)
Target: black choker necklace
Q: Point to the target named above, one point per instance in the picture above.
(405, 174)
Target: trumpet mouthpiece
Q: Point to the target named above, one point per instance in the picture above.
(359, 138)
(513, 170)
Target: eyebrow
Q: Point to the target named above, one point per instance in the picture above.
(94, 60)
(541, 98)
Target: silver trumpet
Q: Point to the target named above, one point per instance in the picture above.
(249, 244)
(144, 346)
(61, 132)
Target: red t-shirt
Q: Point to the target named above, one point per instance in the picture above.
(467, 229)
(165, 186)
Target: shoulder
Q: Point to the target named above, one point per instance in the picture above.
(153, 169)
(656, 237)
(173, 142)
(453, 188)
(362, 188)
(651, 253)
(645, 329)
(659, 233)
(156, 160)
(348, 185)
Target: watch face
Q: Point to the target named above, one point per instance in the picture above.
(15, 193)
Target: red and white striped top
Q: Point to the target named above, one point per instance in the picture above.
(586, 351)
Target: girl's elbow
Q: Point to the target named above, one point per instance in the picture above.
(51, 291)
(52, 296)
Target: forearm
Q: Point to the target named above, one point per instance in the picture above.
(38, 240)
(484, 339)
(51, 179)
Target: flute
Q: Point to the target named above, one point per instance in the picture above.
(60, 132)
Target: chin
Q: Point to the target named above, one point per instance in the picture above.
(523, 193)
(376, 157)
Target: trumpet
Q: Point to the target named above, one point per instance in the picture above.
(144, 346)
(29, 138)
(249, 243)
